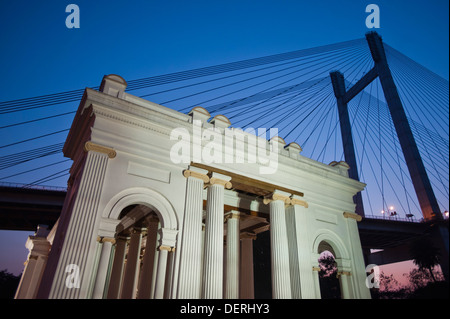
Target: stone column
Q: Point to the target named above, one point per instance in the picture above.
(302, 279)
(247, 285)
(103, 265)
(80, 236)
(145, 279)
(293, 252)
(39, 248)
(189, 282)
(315, 274)
(115, 281)
(132, 266)
(168, 290)
(161, 274)
(213, 259)
(232, 259)
(281, 284)
(168, 240)
(344, 279)
(359, 269)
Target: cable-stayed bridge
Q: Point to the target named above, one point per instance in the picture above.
(292, 92)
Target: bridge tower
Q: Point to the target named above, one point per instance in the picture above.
(422, 186)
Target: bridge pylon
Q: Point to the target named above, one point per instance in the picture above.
(422, 186)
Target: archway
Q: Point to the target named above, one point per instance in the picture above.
(328, 280)
(134, 265)
(330, 247)
(145, 239)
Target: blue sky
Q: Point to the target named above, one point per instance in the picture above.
(142, 38)
(137, 39)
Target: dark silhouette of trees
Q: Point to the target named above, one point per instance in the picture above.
(8, 284)
(425, 255)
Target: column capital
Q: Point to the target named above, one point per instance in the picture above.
(106, 239)
(219, 179)
(232, 214)
(168, 248)
(343, 273)
(168, 237)
(91, 146)
(296, 200)
(196, 174)
(354, 216)
(278, 195)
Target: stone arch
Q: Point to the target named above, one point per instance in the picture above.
(144, 196)
(327, 240)
(332, 240)
(141, 281)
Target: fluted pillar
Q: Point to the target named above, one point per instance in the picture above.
(189, 283)
(247, 285)
(103, 265)
(39, 248)
(344, 282)
(293, 252)
(315, 274)
(132, 266)
(302, 279)
(281, 285)
(145, 279)
(167, 240)
(213, 258)
(358, 265)
(115, 281)
(232, 260)
(161, 273)
(79, 237)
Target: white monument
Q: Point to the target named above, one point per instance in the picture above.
(161, 204)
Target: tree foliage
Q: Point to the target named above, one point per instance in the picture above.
(8, 284)
(425, 255)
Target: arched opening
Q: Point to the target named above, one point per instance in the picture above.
(134, 266)
(141, 263)
(328, 273)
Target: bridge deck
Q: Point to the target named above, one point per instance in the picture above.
(25, 208)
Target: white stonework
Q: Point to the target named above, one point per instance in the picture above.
(123, 182)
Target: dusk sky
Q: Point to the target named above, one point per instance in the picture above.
(137, 39)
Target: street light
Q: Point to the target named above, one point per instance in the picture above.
(392, 211)
(446, 214)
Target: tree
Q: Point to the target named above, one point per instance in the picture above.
(329, 283)
(327, 265)
(8, 284)
(420, 278)
(425, 255)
